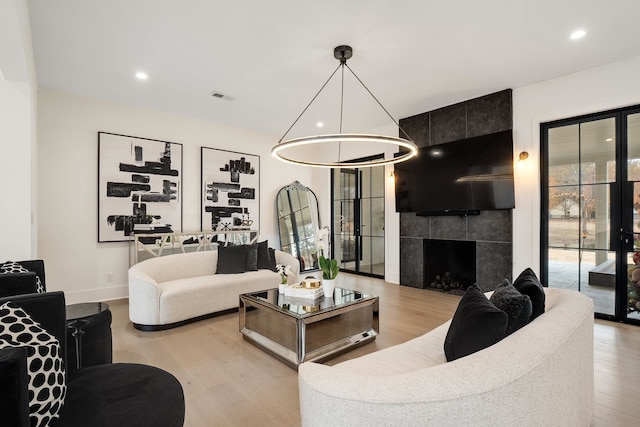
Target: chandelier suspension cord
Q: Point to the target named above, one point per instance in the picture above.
(314, 98)
(342, 64)
(379, 103)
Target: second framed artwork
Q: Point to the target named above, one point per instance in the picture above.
(230, 190)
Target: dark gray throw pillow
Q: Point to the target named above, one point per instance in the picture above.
(231, 260)
(476, 324)
(264, 261)
(528, 284)
(272, 259)
(517, 306)
(251, 257)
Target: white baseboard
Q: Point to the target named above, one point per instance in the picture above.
(99, 294)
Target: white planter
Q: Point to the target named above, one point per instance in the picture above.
(281, 287)
(328, 286)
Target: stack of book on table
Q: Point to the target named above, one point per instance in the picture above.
(299, 290)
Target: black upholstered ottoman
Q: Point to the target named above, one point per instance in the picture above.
(122, 395)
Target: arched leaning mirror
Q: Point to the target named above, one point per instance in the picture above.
(298, 223)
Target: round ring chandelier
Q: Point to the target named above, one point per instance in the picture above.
(284, 149)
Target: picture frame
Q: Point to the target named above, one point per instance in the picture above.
(230, 190)
(139, 186)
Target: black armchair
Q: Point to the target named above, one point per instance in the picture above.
(118, 394)
(23, 283)
(97, 343)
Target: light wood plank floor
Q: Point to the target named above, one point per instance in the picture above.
(229, 382)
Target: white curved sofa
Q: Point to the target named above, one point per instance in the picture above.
(169, 291)
(541, 374)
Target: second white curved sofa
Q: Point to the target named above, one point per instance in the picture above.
(172, 290)
(541, 375)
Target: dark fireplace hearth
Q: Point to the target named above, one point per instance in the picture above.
(449, 265)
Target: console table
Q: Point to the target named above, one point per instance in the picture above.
(143, 246)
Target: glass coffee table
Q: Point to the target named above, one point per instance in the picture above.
(297, 330)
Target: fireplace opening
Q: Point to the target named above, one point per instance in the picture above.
(449, 265)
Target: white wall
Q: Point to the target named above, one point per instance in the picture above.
(611, 86)
(18, 102)
(15, 172)
(68, 127)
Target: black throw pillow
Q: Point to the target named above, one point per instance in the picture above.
(231, 260)
(251, 257)
(264, 261)
(517, 306)
(528, 284)
(272, 259)
(476, 324)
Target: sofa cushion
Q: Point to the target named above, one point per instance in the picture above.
(476, 324)
(47, 387)
(251, 257)
(528, 284)
(517, 306)
(231, 260)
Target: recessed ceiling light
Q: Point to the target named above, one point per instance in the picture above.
(578, 34)
(140, 75)
(609, 139)
(320, 124)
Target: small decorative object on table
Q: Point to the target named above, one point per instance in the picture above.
(311, 282)
(284, 271)
(299, 290)
(330, 271)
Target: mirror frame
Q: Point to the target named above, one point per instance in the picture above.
(295, 246)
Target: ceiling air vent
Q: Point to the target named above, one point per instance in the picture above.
(221, 95)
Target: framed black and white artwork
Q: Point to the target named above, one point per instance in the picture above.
(230, 190)
(139, 186)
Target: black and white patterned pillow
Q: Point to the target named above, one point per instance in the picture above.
(12, 267)
(47, 386)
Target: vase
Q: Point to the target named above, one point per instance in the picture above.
(328, 285)
(281, 287)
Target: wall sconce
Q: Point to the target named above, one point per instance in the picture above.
(522, 157)
(391, 176)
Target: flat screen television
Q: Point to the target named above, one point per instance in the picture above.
(460, 177)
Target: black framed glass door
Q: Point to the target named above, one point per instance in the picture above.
(358, 220)
(590, 228)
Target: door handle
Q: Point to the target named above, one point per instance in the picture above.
(627, 236)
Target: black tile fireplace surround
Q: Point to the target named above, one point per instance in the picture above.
(491, 231)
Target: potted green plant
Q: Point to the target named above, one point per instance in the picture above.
(330, 270)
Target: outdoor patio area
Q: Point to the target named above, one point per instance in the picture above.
(567, 274)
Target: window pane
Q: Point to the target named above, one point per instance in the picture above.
(633, 147)
(598, 151)
(564, 217)
(564, 155)
(595, 222)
